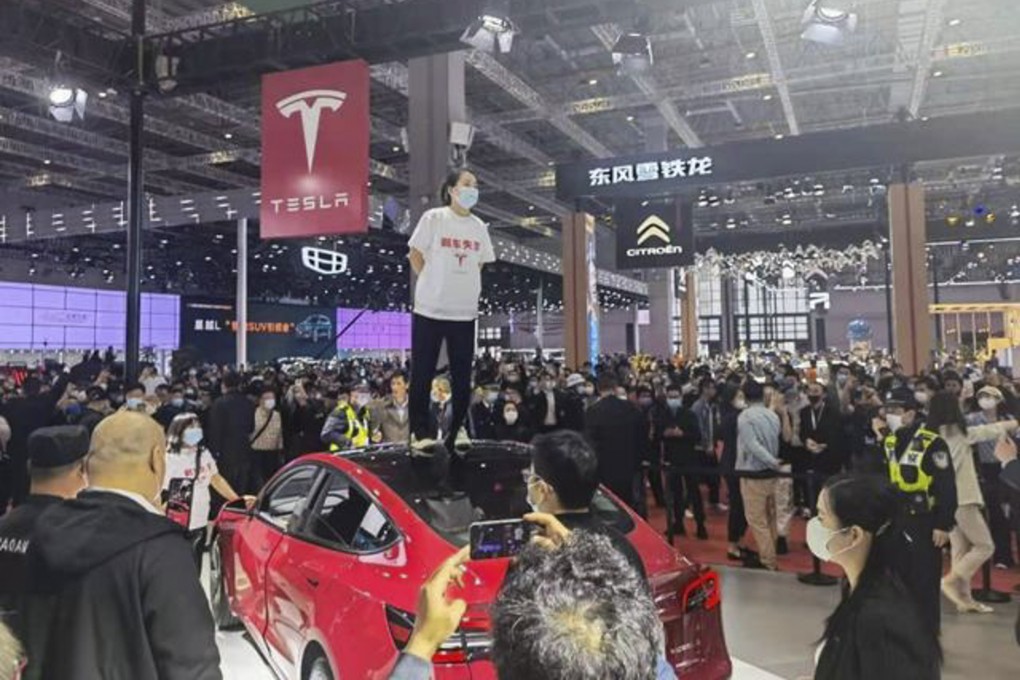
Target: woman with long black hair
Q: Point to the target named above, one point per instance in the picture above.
(970, 540)
(448, 249)
(876, 632)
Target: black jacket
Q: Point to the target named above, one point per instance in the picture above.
(678, 451)
(90, 419)
(589, 521)
(566, 417)
(17, 530)
(614, 428)
(877, 634)
(117, 589)
(825, 426)
(231, 423)
(482, 419)
(728, 416)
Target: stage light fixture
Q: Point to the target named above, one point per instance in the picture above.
(829, 24)
(632, 53)
(1014, 212)
(66, 102)
(493, 30)
(952, 220)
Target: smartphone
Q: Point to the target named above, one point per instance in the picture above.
(501, 538)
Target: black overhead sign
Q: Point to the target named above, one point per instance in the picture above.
(890, 145)
(653, 235)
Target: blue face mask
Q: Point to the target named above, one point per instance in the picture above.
(73, 410)
(192, 436)
(675, 403)
(467, 197)
(134, 403)
(177, 403)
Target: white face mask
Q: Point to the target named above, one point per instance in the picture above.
(510, 417)
(818, 538)
(740, 404)
(988, 403)
(894, 421)
(269, 404)
(921, 397)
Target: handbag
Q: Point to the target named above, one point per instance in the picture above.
(181, 494)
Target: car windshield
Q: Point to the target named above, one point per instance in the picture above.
(486, 484)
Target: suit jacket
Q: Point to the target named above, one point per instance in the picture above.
(390, 421)
(824, 427)
(614, 429)
(231, 424)
(538, 404)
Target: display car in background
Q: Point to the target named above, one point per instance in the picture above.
(324, 571)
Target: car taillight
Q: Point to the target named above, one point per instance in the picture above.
(470, 642)
(702, 594)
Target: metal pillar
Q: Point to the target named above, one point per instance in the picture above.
(435, 92)
(136, 189)
(888, 302)
(540, 316)
(935, 292)
(242, 293)
(747, 313)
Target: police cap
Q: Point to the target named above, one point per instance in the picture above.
(52, 447)
(902, 396)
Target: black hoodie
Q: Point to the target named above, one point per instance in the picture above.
(115, 595)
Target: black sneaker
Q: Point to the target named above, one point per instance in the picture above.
(754, 563)
(781, 546)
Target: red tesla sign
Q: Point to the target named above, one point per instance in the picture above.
(315, 138)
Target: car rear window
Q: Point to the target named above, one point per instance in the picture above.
(486, 484)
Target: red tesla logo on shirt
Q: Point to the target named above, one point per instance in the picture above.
(460, 259)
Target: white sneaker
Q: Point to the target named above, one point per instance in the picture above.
(424, 445)
(722, 507)
(978, 608)
(463, 441)
(951, 591)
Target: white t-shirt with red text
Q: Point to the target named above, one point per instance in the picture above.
(180, 467)
(455, 248)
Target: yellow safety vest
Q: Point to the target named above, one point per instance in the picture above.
(357, 431)
(912, 458)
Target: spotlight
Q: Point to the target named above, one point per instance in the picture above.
(827, 25)
(1014, 212)
(165, 68)
(633, 53)
(970, 222)
(67, 102)
(990, 217)
(61, 95)
(953, 220)
(492, 30)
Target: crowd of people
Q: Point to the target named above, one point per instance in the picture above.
(94, 465)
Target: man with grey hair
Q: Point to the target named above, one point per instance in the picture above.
(571, 607)
(109, 566)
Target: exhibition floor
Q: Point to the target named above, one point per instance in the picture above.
(771, 624)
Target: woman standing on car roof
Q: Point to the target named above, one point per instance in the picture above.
(449, 247)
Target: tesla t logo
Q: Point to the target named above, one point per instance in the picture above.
(326, 262)
(653, 227)
(310, 105)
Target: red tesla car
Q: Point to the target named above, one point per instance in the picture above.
(324, 571)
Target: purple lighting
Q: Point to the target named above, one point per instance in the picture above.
(57, 317)
(374, 330)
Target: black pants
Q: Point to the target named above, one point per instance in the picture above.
(919, 565)
(684, 493)
(197, 540)
(710, 462)
(996, 495)
(427, 336)
(269, 462)
(737, 523)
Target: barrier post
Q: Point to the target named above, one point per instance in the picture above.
(986, 593)
(815, 577)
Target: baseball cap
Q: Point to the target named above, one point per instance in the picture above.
(52, 447)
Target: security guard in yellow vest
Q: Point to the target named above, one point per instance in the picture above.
(919, 465)
(345, 428)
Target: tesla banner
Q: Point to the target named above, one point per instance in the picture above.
(653, 235)
(315, 137)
